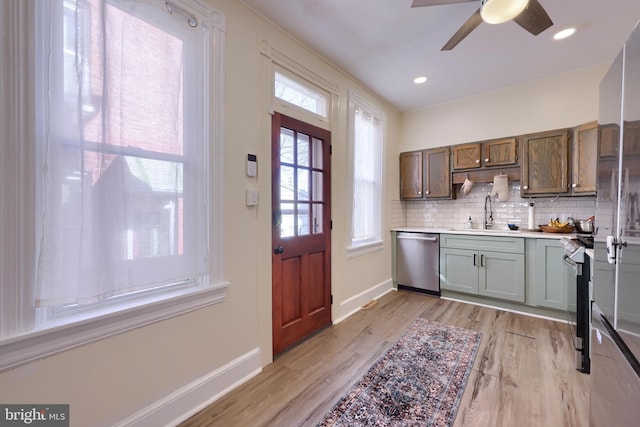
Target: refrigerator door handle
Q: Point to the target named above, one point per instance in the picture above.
(625, 194)
(611, 249)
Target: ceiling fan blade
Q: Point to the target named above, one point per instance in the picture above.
(464, 31)
(421, 3)
(534, 18)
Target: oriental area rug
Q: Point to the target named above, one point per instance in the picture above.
(418, 382)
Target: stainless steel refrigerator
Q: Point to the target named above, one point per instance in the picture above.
(615, 337)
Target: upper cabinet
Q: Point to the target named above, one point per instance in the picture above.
(545, 163)
(584, 151)
(466, 156)
(497, 152)
(425, 174)
(438, 182)
(411, 177)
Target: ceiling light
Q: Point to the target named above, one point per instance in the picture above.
(420, 80)
(499, 11)
(564, 33)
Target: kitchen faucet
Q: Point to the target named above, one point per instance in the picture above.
(488, 221)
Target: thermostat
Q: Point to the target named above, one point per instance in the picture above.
(252, 165)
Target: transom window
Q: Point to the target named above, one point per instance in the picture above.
(301, 94)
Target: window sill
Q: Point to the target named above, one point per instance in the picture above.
(367, 248)
(35, 345)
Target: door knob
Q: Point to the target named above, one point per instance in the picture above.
(278, 250)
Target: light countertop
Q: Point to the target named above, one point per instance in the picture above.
(481, 232)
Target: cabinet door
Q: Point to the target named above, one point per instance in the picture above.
(545, 163)
(609, 140)
(553, 277)
(631, 138)
(458, 270)
(584, 156)
(500, 152)
(502, 275)
(466, 156)
(411, 181)
(438, 173)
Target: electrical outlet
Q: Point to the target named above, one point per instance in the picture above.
(427, 217)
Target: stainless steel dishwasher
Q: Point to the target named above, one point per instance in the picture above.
(418, 262)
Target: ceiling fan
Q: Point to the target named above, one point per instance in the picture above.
(529, 14)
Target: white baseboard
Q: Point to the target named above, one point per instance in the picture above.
(195, 396)
(355, 303)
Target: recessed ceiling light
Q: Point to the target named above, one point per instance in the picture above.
(420, 80)
(564, 33)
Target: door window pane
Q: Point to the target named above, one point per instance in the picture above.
(317, 218)
(317, 153)
(287, 225)
(286, 182)
(303, 219)
(303, 149)
(286, 145)
(316, 185)
(303, 184)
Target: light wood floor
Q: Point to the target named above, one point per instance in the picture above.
(523, 374)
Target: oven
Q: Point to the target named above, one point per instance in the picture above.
(579, 298)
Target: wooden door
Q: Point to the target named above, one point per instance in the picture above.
(411, 178)
(545, 163)
(585, 152)
(438, 173)
(499, 152)
(466, 156)
(301, 233)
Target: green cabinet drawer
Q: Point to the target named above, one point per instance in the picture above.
(483, 243)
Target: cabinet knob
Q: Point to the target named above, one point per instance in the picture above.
(486, 160)
(574, 185)
(426, 192)
(525, 187)
(478, 161)
(419, 193)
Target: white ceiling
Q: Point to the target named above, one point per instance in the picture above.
(386, 44)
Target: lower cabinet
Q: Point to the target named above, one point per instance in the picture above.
(553, 277)
(483, 265)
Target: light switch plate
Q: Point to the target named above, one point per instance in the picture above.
(252, 196)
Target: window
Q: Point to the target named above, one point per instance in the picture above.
(366, 139)
(122, 174)
(303, 95)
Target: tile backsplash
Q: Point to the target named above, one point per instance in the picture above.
(454, 213)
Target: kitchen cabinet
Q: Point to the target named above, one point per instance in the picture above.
(425, 174)
(552, 276)
(466, 156)
(438, 173)
(483, 265)
(584, 152)
(411, 176)
(608, 140)
(497, 152)
(545, 163)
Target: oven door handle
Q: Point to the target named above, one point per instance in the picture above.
(577, 267)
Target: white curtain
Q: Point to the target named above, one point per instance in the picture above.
(122, 198)
(368, 132)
